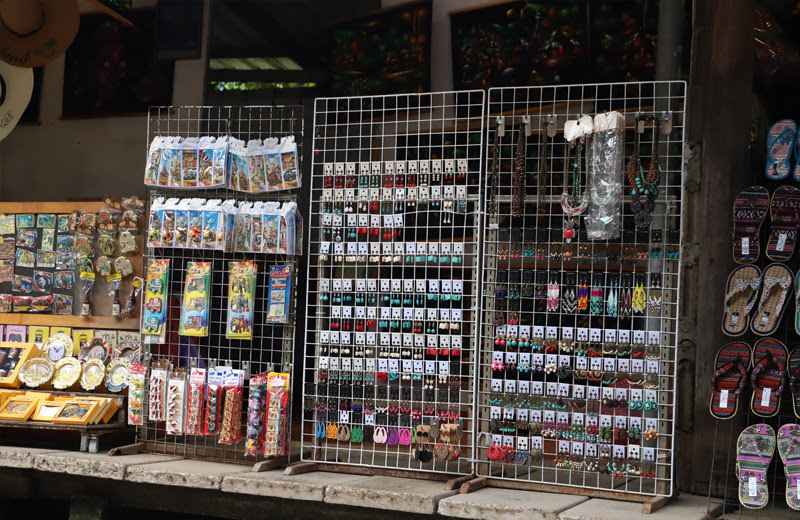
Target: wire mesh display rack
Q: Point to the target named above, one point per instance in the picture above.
(393, 281)
(571, 390)
(272, 346)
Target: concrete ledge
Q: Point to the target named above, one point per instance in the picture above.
(186, 473)
(685, 507)
(14, 457)
(307, 486)
(92, 464)
(508, 504)
(396, 494)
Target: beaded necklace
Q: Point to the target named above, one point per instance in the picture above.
(644, 183)
(494, 173)
(518, 201)
(575, 203)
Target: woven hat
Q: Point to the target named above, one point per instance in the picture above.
(16, 86)
(35, 32)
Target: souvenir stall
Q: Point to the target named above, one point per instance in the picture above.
(70, 276)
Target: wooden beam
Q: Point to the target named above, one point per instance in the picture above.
(110, 12)
(80, 322)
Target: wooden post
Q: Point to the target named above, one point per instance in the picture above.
(719, 100)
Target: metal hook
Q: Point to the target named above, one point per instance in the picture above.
(501, 126)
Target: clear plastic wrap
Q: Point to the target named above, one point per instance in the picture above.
(606, 158)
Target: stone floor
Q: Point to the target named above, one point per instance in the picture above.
(219, 483)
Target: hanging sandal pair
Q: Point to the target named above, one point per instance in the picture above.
(733, 362)
(754, 450)
(741, 296)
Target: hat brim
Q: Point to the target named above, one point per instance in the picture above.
(16, 87)
(58, 30)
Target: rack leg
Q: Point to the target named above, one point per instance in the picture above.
(300, 468)
(127, 449)
(455, 483)
(84, 442)
(654, 504)
(473, 485)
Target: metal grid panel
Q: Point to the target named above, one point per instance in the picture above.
(525, 253)
(272, 346)
(395, 203)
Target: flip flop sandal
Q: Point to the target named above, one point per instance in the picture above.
(767, 376)
(749, 211)
(729, 379)
(784, 211)
(754, 449)
(776, 287)
(740, 298)
(789, 450)
(780, 141)
(793, 371)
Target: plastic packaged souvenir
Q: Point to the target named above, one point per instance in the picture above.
(196, 299)
(254, 154)
(278, 291)
(181, 237)
(48, 239)
(6, 302)
(42, 281)
(256, 407)
(86, 223)
(130, 307)
(195, 240)
(155, 296)
(241, 299)
(176, 402)
(157, 390)
(154, 223)
(86, 284)
(27, 237)
(136, 384)
(237, 166)
(42, 304)
(231, 412)
(271, 218)
(106, 220)
(169, 171)
(243, 230)
(289, 165)
(22, 284)
(189, 162)
(286, 233)
(62, 304)
(211, 221)
(276, 439)
(607, 153)
(272, 164)
(7, 224)
(129, 221)
(257, 237)
(195, 400)
(214, 392)
(153, 162)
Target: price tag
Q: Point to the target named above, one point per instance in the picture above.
(430, 367)
(765, 396)
(536, 388)
(524, 387)
(624, 336)
(552, 332)
(610, 335)
(369, 419)
(567, 332)
(723, 399)
(752, 483)
(444, 368)
(510, 387)
(344, 416)
(418, 367)
(583, 334)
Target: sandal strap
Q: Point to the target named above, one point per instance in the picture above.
(762, 366)
(769, 283)
(731, 366)
(741, 286)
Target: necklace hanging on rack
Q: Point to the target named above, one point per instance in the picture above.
(575, 203)
(518, 188)
(494, 173)
(644, 183)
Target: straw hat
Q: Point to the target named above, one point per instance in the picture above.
(16, 86)
(35, 32)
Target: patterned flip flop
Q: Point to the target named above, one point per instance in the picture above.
(740, 298)
(793, 372)
(767, 376)
(789, 450)
(729, 379)
(784, 212)
(776, 288)
(754, 449)
(749, 212)
(780, 141)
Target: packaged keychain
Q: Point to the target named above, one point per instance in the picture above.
(257, 238)
(195, 400)
(211, 222)
(278, 291)
(155, 222)
(196, 224)
(243, 227)
(276, 439)
(272, 226)
(237, 166)
(176, 402)
(157, 393)
(171, 153)
(189, 163)
(291, 177)
(272, 164)
(231, 413)
(130, 307)
(181, 236)
(214, 391)
(196, 299)
(256, 406)
(254, 154)
(155, 296)
(136, 394)
(286, 233)
(241, 299)
(87, 284)
(153, 162)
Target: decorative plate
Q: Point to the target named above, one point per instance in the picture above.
(95, 348)
(93, 373)
(36, 371)
(57, 346)
(66, 373)
(128, 349)
(118, 375)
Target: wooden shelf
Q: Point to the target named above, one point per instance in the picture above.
(56, 320)
(51, 207)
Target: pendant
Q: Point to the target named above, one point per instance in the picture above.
(569, 229)
(642, 219)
